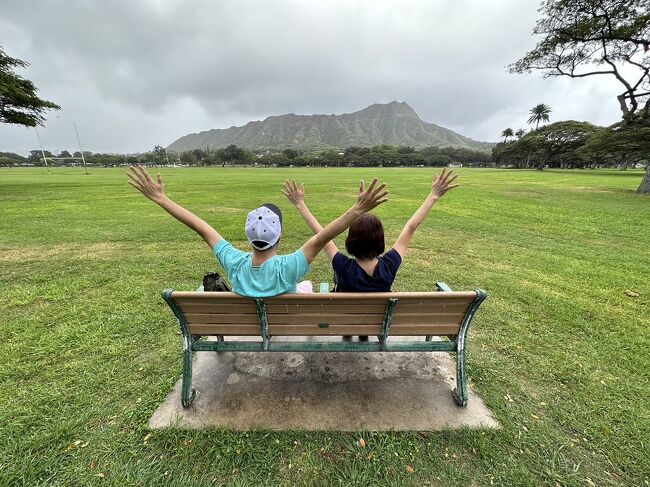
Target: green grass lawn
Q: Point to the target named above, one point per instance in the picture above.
(559, 352)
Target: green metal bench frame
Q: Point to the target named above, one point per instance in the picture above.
(456, 343)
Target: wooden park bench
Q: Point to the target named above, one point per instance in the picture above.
(414, 314)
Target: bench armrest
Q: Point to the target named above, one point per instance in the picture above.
(442, 286)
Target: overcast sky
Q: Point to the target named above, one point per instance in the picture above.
(133, 74)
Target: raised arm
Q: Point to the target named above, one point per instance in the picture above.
(366, 201)
(155, 190)
(439, 186)
(296, 195)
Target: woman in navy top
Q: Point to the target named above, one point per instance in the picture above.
(370, 269)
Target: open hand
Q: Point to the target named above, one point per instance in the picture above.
(295, 194)
(441, 184)
(371, 197)
(139, 178)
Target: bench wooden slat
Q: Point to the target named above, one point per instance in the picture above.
(311, 298)
(224, 329)
(362, 329)
(330, 318)
(440, 329)
(222, 308)
(314, 330)
(424, 319)
(282, 308)
(336, 308)
(216, 318)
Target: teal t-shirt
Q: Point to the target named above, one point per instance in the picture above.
(278, 275)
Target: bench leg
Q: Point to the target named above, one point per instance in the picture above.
(187, 393)
(460, 392)
(428, 338)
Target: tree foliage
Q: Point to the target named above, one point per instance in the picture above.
(596, 37)
(539, 113)
(583, 38)
(19, 103)
(507, 133)
(622, 144)
(555, 145)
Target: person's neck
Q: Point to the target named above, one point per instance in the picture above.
(261, 256)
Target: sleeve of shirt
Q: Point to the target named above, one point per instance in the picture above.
(338, 262)
(227, 255)
(294, 266)
(393, 259)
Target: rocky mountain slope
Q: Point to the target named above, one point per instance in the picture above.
(391, 123)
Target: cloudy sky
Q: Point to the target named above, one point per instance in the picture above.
(133, 74)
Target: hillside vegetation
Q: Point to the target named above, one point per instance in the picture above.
(392, 123)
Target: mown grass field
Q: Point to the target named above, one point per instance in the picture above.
(559, 352)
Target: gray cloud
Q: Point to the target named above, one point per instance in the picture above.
(136, 74)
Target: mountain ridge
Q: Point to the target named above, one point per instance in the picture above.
(395, 123)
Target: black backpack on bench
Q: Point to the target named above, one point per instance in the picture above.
(214, 282)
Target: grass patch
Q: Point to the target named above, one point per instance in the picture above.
(558, 352)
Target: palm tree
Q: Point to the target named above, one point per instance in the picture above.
(539, 113)
(507, 133)
(520, 133)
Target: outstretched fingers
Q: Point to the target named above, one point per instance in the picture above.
(145, 174)
(451, 180)
(381, 197)
(135, 185)
(380, 187)
(134, 178)
(372, 185)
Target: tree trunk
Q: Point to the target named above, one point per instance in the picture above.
(644, 187)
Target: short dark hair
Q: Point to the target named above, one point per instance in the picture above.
(366, 237)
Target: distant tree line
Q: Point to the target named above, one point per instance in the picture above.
(380, 155)
(566, 144)
(571, 144)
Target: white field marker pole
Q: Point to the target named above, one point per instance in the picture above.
(80, 151)
(42, 151)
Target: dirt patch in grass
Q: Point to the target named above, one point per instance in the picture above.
(523, 192)
(589, 189)
(499, 266)
(222, 209)
(544, 289)
(31, 253)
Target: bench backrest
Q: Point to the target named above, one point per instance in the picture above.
(430, 313)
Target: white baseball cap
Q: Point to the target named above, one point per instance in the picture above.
(264, 226)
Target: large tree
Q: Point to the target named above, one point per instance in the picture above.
(582, 38)
(19, 103)
(560, 141)
(622, 144)
(554, 145)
